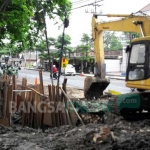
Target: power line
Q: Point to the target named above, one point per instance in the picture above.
(86, 5)
(79, 2)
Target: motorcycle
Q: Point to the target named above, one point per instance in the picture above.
(55, 75)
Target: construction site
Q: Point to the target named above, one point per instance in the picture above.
(57, 116)
(47, 117)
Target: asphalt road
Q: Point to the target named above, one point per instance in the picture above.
(73, 81)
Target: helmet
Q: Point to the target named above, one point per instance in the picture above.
(54, 66)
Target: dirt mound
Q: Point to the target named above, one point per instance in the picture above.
(115, 133)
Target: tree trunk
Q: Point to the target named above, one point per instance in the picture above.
(30, 60)
(81, 65)
(90, 66)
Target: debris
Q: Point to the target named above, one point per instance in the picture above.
(104, 135)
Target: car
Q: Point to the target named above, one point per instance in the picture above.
(69, 70)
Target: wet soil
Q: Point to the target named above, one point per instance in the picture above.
(121, 134)
(127, 135)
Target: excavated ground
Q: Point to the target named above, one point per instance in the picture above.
(126, 135)
(115, 134)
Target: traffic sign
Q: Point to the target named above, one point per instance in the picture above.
(64, 62)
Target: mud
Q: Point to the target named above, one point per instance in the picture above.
(127, 135)
(119, 134)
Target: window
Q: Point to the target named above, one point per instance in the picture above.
(136, 74)
(137, 54)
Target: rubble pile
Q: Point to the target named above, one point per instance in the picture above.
(114, 134)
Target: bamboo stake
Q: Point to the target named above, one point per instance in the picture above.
(42, 95)
(42, 91)
(41, 82)
(72, 106)
(65, 101)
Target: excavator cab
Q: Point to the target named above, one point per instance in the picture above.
(138, 69)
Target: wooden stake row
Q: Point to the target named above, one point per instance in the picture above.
(37, 109)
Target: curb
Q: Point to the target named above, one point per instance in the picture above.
(115, 78)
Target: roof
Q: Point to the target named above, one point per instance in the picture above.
(107, 54)
(146, 38)
(146, 8)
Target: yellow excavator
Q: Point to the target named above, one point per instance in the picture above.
(138, 53)
(138, 68)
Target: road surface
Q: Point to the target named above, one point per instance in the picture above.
(73, 81)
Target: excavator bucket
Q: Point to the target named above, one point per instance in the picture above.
(94, 87)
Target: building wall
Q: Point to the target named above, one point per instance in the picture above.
(113, 65)
(117, 65)
(124, 61)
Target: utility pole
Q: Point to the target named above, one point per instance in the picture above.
(95, 6)
(66, 24)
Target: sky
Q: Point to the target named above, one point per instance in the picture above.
(80, 21)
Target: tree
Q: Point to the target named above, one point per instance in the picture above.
(42, 48)
(111, 41)
(107, 38)
(85, 39)
(21, 20)
(67, 41)
(115, 44)
(10, 49)
(131, 35)
(84, 49)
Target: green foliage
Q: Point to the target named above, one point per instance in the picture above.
(85, 47)
(54, 44)
(41, 47)
(136, 35)
(83, 50)
(115, 44)
(21, 22)
(85, 38)
(131, 35)
(15, 18)
(10, 49)
(111, 41)
(11, 71)
(67, 42)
